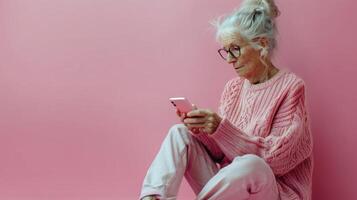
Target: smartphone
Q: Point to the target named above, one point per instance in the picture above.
(182, 104)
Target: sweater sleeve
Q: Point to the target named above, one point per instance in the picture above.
(210, 145)
(288, 143)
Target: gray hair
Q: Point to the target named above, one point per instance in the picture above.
(254, 18)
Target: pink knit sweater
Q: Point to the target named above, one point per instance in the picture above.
(270, 120)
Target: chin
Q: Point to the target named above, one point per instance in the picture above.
(240, 73)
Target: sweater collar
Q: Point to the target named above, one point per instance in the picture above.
(267, 83)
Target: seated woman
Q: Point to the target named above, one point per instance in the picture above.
(259, 144)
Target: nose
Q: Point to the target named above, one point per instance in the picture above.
(231, 59)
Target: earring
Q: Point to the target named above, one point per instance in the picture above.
(264, 53)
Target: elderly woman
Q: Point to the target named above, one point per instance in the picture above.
(259, 144)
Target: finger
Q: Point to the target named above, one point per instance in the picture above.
(195, 130)
(210, 125)
(209, 130)
(211, 119)
(197, 113)
(201, 125)
(203, 130)
(195, 125)
(200, 120)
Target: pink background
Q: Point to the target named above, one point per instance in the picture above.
(85, 84)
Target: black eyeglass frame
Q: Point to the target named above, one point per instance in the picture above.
(230, 52)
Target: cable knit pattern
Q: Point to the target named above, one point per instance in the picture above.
(270, 120)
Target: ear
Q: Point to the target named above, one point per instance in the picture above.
(262, 41)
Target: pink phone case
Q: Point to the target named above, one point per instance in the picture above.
(182, 104)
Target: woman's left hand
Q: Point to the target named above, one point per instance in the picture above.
(203, 119)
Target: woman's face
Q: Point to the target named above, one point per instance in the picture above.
(248, 65)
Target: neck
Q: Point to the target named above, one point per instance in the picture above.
(269, 70)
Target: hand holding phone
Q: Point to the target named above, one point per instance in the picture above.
(183, 106)
(205, 121)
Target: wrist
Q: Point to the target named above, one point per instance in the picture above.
(218, 120)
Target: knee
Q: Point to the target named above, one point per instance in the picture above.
(250, 161)
(247, 167)
(252, 164)
(178, 126)
(179, 132)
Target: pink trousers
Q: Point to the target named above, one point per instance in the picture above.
(182, 155)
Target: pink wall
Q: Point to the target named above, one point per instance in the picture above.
(84, 87)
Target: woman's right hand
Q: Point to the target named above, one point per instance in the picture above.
(183, 115)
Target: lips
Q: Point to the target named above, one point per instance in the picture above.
(238, 67)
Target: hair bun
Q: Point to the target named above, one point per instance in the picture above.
(268, 6)
(272, 8)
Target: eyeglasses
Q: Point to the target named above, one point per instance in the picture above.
(234, 51)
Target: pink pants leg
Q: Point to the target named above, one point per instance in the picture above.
(182, 155)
